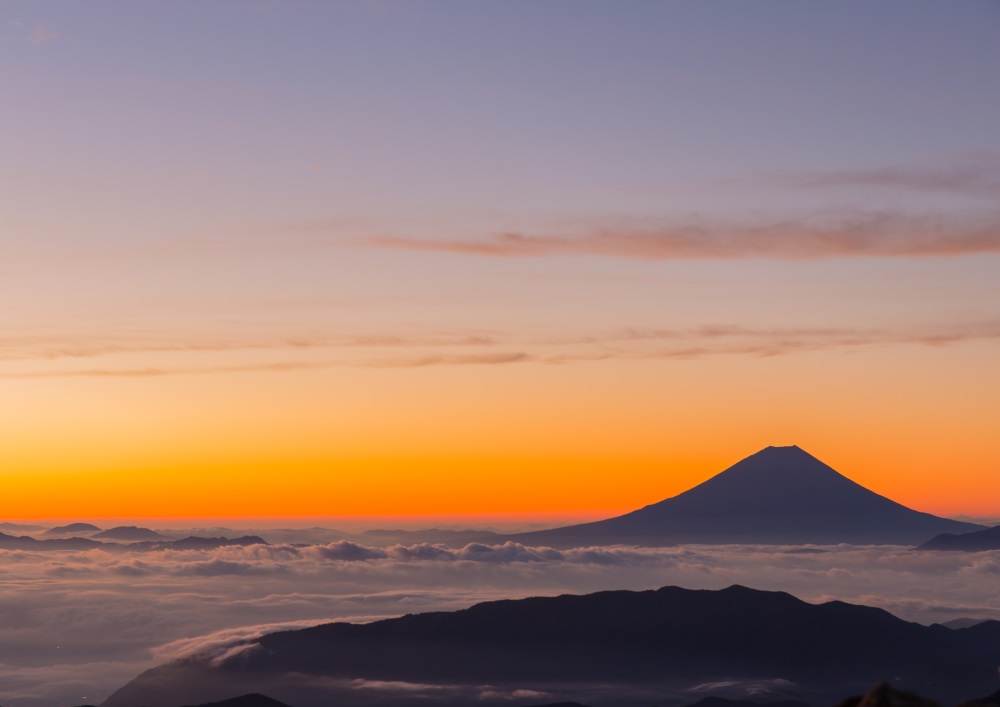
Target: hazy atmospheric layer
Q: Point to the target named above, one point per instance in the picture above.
(80, 624)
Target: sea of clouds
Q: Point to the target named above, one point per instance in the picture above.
(76, 625)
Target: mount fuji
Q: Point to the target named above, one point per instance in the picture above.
(780, 495)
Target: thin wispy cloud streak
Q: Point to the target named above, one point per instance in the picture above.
(979, 177)
(277, 367)
(864, 234)
(446, 360)
(27, 348)
(626, 344)
(778, 340)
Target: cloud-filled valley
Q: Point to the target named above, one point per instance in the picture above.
(90, 620)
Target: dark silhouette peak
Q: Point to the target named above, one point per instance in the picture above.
(251, 700)
(780, 480)
(72, 528)
(884, 696)
(129, 532)
(756, 701)
(742, 589)
(781, 495)
(781, 455)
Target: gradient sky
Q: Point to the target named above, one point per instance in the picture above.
(352, 258)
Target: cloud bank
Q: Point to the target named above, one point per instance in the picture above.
(113, 615)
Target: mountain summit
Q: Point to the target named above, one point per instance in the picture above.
(780, 495)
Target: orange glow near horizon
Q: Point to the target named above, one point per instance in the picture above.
(212, 493)
(418, 447)
(914, 423)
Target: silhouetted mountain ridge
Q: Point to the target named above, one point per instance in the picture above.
(21, 527)
(251, 700)
(25, 542)
(128, 533)
(780, 495)
(714, 701)
(988, 539)
(72, 528)
(620, 638)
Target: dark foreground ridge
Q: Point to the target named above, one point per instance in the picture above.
(883, 695)
(622, 648)
(879, 696)
(727, 702)
(251, 700)
(780, 495)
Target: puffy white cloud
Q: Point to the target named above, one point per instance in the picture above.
(225, 643)
(743, 689)
(346, 550)
(420, 551)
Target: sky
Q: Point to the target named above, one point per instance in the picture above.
(391, 258)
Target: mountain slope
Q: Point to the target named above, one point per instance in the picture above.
(128, 533)
(26, 542)
(72, 528)
(570, 647)
(988, 539)
(252, 700)
(780, 495)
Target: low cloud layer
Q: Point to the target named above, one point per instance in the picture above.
(82, 623)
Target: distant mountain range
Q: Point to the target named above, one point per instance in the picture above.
(452, 538)
(25, 542)
(780, 495)
(638, 648)
(20, 527)
(72, 528)
(129, 533)
(988, 539)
